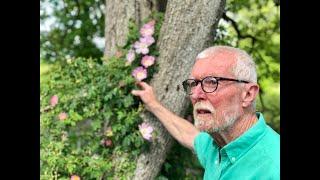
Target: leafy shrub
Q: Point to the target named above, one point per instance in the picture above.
(89, 120)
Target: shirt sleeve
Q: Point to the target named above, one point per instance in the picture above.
(202, 145)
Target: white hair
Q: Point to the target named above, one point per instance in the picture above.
(243, 69)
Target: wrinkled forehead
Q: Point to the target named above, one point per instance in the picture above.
(219, 64)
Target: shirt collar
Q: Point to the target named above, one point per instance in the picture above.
(236, 148)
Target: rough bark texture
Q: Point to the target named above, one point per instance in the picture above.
(187, 29)
(117, 16)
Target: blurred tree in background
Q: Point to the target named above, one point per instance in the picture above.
(254, 26)
(77, 30)
(71, 28)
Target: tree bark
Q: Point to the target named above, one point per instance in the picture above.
(187, 29)
(117, 16)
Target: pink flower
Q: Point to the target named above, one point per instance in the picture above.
(75, 177)
(146, 131)
(54, 100)
(141, 47)
(63, 116)
(139, 73)
(108, 142)
(147, 29)
(147, 61)
(148, 40)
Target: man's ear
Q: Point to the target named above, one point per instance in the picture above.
(249, 94)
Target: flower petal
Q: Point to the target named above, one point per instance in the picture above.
(54, 100)
(139, 73)
(147, 61)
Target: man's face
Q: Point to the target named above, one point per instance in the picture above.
(220, 109)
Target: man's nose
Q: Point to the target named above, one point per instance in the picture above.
(198, 93)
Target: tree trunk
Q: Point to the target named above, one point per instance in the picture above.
(117, 16)
(187, 29)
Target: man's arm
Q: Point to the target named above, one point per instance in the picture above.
(182, 130)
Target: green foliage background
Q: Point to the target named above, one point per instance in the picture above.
(96, 94)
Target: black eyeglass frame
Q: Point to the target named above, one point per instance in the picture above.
(184, 83)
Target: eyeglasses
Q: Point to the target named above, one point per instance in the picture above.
(208, 84)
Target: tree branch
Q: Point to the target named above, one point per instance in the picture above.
(276, 2)
(235, 26)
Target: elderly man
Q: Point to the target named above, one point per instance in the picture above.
(230, 139)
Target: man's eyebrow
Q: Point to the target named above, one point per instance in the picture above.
(203, 76)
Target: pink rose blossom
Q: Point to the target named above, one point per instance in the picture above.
(148, 40)
(147, 29)
(54, 100)
(146, 131)
(141, 47)
(147, 61)
(63, 116)
(108, 143)
(75, 177)
(139, 73)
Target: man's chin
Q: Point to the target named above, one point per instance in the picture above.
(207, 130)
(203, 124)
(202, 129)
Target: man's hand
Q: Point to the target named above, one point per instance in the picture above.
(147, 95)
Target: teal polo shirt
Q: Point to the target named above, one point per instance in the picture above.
(253, 155)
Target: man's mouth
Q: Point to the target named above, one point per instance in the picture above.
(203, 111)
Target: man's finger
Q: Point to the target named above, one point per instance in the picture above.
(144, 85)
(138, 83)
(136, 92)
